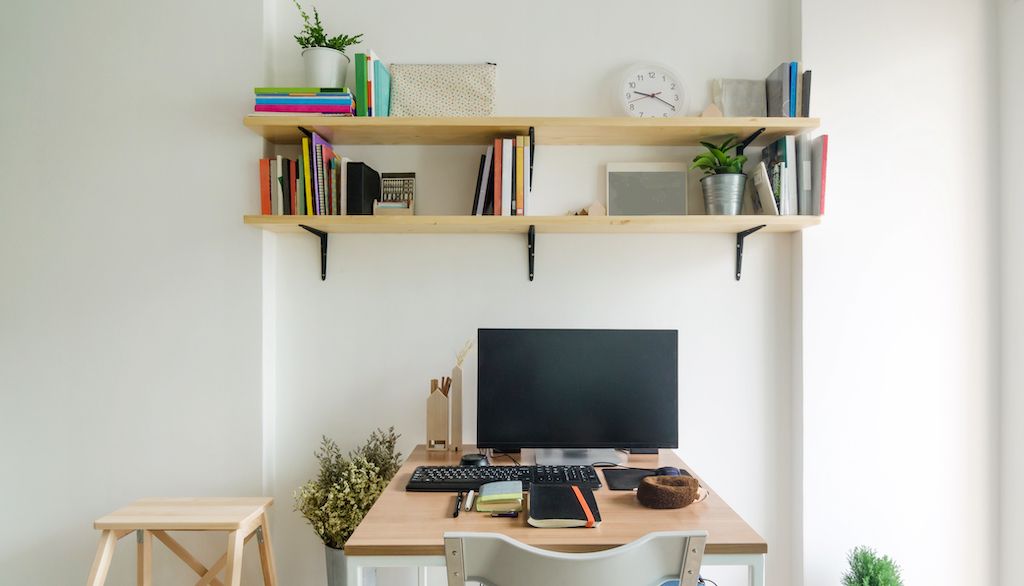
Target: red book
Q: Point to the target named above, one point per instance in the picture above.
(265, 187)
(309, 108)
(497, 177)
(294, 178)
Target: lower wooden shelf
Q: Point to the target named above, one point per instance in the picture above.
(521, 224)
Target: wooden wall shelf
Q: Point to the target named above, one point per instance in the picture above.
(682, 131)
(521, 224)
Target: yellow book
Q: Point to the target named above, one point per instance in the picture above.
(307, 171)
(520, 146)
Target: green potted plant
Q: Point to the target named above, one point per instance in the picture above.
(724, 181)
(339, 497)
(867, 569)
(324, 57)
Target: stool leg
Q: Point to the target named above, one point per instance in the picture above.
(104, 553)
(144, 558)
(267, 553)
(236, 541)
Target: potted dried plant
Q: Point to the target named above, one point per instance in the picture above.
(723, 180)
(336, 500)
(867, 569)
(324, 57)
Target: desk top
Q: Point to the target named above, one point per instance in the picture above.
(413, 523)
(187, 514)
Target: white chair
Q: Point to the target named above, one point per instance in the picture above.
(498, 560)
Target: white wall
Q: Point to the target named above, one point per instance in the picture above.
(1011, 18)
(899, 336)
(358, 351)
(129, 295)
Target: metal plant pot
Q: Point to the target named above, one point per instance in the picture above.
(723, 193)
(337, 572)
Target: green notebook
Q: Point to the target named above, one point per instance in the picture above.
(500, 497)
(360, 96)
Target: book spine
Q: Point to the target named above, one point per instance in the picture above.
(306, 169)
(318, 158)
(497, 176)
(520, 160)
(506, 176)
(370, 74)
(293, 180)
(308, 109)
(265, 187)
(477, 200)
(360, 84)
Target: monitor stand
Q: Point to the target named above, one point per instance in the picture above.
(578, 456)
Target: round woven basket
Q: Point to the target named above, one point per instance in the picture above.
(667, 492)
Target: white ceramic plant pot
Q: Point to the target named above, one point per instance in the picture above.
(325, 67)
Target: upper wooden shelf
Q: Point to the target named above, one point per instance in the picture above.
(520, 224)
(283, 129)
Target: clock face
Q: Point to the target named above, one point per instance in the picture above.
(652, 91)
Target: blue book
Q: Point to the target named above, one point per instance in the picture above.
(305, 101)
(792, 88)
(381, 89)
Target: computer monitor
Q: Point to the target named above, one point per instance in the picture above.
(571, 392)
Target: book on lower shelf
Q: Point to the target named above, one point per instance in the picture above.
(503, 186)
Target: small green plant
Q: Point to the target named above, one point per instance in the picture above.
(867, 569)
(717, 159)
(335, 502)
(313, 33)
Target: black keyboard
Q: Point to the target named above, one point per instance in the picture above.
(458, 478)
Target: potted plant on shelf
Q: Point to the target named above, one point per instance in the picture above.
(867, 569)
(723, 180)
(325, 59)
(336, 500)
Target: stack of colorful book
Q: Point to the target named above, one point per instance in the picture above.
(305, 100)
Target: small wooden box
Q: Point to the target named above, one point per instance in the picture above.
(437, 419)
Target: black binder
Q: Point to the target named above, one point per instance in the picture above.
(363, 188)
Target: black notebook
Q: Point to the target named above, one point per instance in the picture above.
(563, 505)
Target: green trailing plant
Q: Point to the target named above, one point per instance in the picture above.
(868, 569)
(335, 502)
(313, 35)
(717, 159)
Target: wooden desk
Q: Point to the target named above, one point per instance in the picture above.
(407, 528)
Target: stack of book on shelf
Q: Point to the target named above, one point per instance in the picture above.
(788, 91)
(316, 184)
(304, 100)
(504, 181)
(790, 179)
(373, 86)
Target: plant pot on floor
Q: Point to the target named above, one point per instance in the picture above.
(723, 193)
(325, 67)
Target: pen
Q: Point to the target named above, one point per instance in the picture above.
(458, 504)
(469, 501)
(510, 514)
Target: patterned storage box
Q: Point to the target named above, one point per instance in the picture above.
(443, 90)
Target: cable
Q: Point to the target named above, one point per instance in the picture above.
(509, 456)
(703, 580)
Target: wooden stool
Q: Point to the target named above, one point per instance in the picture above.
(242, 518)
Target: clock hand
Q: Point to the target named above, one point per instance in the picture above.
(663, 101)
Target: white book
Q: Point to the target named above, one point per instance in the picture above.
(343, 185)
(481, 202)
(763, 190)
(527, 184)
(507, 145)
(792, 165)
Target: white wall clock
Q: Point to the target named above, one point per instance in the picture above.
(650, 90)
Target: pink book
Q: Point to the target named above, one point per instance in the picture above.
(311, 108)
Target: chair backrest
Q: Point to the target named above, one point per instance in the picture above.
(498, 560)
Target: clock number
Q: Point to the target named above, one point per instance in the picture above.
(665, 115)
(651, 74)
(672, 86)
(632, 107)
(629, 95)
(677, 97)
(632, 85)
(640, 78)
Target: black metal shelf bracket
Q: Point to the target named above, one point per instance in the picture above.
(323, 248)
(531, 246)
(739, 248)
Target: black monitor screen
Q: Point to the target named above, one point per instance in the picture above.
(577, 389)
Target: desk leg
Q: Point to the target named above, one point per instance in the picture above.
(355, 573)
(355, 565)
(757, 571)
(104, 553)
(144, 558)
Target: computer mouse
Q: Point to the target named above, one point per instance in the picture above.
(668, 471)
(473, 460)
